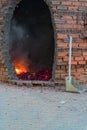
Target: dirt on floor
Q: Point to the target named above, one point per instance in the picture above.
(37, 108)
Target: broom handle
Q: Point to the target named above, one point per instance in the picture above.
(70, 58)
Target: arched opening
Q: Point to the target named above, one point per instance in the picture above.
(31, 40)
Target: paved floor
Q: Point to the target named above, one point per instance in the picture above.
(41, 109)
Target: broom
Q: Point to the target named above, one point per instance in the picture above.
(72, 85)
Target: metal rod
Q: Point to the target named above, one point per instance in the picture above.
(70, 58)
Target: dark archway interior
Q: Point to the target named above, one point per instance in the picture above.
(31, 39)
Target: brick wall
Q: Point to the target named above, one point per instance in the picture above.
(69, 18)
(6, 67)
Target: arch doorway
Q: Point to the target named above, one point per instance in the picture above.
(31, 40)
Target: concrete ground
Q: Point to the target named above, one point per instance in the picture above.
(24, 108)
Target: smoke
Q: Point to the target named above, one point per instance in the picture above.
(31, 37)
(16, 44)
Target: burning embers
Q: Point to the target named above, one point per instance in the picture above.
(24, 73)
(43, 75)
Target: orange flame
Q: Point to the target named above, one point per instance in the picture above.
(20, 68)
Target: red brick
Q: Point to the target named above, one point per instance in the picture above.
(62, 36)
(81, 22)
(76, 75)
(61, 71)
(79, 58)
(60, 21)
(63, 76)
(64, 45)
(83, 45)
(61, 63)
(67, 17)
(75, 45)
(67, 3)
(78, 26)
(74, 62)
(55, 3)
(62, 7)
(61, 54)
(73, 70)
(81, 62)
(73, 7)
(84, 53)
(71, 22)
(81, 8)
(80, 70)
(63, 26)
(76, 3)
(83, 4)
(66, 59)
(75, 35)
(77, 53)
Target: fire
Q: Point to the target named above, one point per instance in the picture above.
(20, 68)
